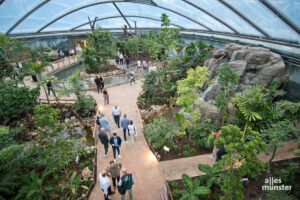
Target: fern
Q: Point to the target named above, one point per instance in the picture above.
(282, 195)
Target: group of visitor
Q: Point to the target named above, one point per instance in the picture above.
(113, 170)
(68, 52)
(120, 58)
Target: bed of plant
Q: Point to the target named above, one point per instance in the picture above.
(286, 170)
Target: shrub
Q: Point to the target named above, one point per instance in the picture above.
(176, 148)
(85, 106)
(14, 101)
(187, 147)
(288, 174)
(160, 132)
(200, 133)
(81, 166)
(174, 185)
(45, 115)
(192, 151)
(175, 193)
(185, 153)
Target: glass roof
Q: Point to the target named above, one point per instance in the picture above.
(271, 19)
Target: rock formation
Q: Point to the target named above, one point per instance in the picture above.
(254, 65)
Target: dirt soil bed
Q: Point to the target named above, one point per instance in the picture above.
(193, 150)
(253, 190)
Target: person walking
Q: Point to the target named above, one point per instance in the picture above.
(144, 65)
(104, 123)
(116, 142)
(132, 131)
(127, 61)
(131, 75)
(116, 112)
(104, 140)
(101, 82)
(98, 84)
(126, 182)
(139, 64)
(105, 96)
(114, 172)
(213, 155)
(50, 88)
(124, 124)
(105, 184)
(121, 58)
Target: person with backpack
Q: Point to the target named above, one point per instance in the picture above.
(131, 75)
(104, 140)
(115, 142)
(132, 131)
(125, 184)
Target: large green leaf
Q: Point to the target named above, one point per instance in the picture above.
(204, 168)
(201, 190)
(187, 182)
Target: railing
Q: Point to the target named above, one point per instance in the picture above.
(62, 63)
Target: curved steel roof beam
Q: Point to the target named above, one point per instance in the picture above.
(122, 14)
(245, 18)
(211, 15)
(281, 15)
(26, 15)
(136, 16)
(103, 2)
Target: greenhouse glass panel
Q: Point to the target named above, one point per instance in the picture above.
(155, 12)
(225, 14)
(193, 13)
(107, 23)
(13, 10)
(145, 23)
(81, 16)
(289, 8)
(264, 18)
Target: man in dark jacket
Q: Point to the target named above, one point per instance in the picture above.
(104, 140)
(220, 153)
(98, 84)
(116, 142)
(50, 88)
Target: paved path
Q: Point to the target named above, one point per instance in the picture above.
(137, 158)
(173, 169)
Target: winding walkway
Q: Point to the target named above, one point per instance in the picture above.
(137, 158)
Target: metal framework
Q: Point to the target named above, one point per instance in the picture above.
(245, 18)
(98, 3)
(111, 17)
(211, 15)
(26, 15)
(281, 15)
(122, 14)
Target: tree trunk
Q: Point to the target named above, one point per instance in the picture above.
(46, 94)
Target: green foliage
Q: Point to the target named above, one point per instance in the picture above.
(187, 89)
(5, 69)
(34, 187)
(175, 193)
(15, 101)
(187, 147)
(192, 151)
(163, 41)
(279, 194)
(228, 79)
(72, 186)
(6, 137)
(200, 133)
(212, 174)
(192, 188)
(45, 115)
(101, 47)
(160, 132)
(81, 166)
(132, 45)
(121, 45)
(176, 148)
(240, 158)
(185, 154)
(85, 106)
(289, 173)
(174, 185)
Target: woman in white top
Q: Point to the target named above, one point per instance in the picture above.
(132, 131)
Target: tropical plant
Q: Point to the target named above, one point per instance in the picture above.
(15, 101)
(45, 115)
(279, 194)
(192, 188)
(132, 44)
(85, 106)
(289, 172)
(101, 47)
(160, 132)
(187, 90)
(73, 184)
(212, 174)
(34, 187)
